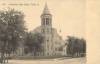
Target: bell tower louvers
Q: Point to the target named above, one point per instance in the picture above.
(46, 25)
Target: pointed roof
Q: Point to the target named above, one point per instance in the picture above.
(46, 10)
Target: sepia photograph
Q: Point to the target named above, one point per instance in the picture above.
(41, 32)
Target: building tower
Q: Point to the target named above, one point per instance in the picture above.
(46, 25)
(46, 17)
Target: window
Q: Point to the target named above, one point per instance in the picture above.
(47, 21)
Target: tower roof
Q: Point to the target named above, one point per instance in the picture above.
(46, 10)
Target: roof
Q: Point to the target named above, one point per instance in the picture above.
(46, 10)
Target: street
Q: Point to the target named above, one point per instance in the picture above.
(50, 61)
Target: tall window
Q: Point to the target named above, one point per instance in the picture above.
(47, 21)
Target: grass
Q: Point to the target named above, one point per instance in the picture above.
(36, 57)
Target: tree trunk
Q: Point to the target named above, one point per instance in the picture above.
(2, 58)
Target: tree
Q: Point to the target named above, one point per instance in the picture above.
(34, 43)
(76, 46)
(11, 30)
(83, 47)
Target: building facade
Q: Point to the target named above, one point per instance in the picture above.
(52, 40)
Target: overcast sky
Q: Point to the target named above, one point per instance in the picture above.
(68, 15)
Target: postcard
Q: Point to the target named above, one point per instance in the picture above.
(44, 31)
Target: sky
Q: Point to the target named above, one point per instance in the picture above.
(68, 15)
